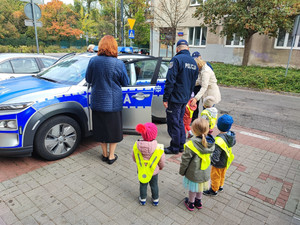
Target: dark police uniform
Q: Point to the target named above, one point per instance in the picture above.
(181, 79)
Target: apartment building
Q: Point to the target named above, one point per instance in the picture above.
(265, 51)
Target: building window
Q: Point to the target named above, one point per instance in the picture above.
(197, 2)
(284, 40)
(236, 41)
(197, 36)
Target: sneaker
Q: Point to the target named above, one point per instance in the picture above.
(142, 201)
(221, 189)
(210, 192)
(155, 202)
(198, 203)
(189, 205)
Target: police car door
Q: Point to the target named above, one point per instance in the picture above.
(137, 97)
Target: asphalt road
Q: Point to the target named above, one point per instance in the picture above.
(271, 112)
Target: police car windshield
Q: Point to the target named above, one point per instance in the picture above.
(70, 71)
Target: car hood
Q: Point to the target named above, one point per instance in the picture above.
(28, 88)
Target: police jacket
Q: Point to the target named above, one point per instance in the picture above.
(190, 166)
(219, 157)
(181, 78)
(107, 75)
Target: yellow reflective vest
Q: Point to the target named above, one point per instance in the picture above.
(204, 157)
(191, 111)
(145, 172)
(212, 120)
(223, 145)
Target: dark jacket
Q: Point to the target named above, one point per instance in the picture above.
(191, 162)
(106, 75)
(181, 78)
(219, 157)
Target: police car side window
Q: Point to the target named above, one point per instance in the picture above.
(6, 67)
(163, 70)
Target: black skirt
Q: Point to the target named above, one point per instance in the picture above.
(107, 126)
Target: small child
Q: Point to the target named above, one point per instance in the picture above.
(195, 163)
(210, 113)
(150, 158)
(222, 155)
(187, 118)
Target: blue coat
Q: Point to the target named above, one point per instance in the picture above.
(106, 75)
(181, 78)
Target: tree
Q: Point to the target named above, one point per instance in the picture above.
(244, 18)
(59, 21)
(142, 37)
(171, 13)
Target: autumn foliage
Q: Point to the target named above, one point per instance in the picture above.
(59, 21)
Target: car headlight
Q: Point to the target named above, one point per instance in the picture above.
(8, 125)
(15, 106)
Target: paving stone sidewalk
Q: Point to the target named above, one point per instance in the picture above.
(262, 187)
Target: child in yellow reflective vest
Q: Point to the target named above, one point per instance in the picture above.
(195, 163)
(209, 112)
(150, 158)
(187, 117)
(222, 155)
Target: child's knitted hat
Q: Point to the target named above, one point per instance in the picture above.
(147, 130)
(209, 101)
(225, 122)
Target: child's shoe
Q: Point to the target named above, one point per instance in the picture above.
(190, 134)
(198, 203)
(155, 202)
(221, 189)
(189, 205)
(142, 201)
(210, 192)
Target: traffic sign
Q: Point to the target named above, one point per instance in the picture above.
(40, 2)
(28, 11)
(131, 34)
(30, 23)
(131, 23)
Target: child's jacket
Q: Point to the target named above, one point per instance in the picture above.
(191, 162)
(219, 156)
(147, 148)
(210, 114)
(188, 114)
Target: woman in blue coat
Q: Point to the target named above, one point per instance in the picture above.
(107, 75)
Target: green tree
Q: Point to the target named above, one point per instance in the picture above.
(142, 36)
(244, 18)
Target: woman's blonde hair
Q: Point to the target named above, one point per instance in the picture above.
(200, 63)
(200, 127)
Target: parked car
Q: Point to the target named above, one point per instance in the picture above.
(49, 113)
(21, 64)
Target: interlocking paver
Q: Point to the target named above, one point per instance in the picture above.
(262, 187)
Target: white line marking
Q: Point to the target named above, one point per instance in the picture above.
(294, 145)
(255, 135)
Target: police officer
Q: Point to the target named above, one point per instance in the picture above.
(181, 78)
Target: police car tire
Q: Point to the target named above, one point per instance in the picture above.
(39, 140)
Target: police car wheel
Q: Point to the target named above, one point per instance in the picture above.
(57, 138)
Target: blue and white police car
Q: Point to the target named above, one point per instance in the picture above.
(49, 113)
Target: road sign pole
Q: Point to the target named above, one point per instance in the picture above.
(34, 24)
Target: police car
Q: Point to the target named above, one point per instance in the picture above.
(49, 113)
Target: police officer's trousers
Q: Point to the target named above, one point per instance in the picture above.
(175, 113)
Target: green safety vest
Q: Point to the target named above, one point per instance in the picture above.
(191, 111)
(204, 157)
(145, 172)
(212, 120)
(222, 144)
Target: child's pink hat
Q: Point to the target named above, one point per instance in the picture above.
(147, 130)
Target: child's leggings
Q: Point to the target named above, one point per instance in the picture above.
(217, 176)
(193, 195)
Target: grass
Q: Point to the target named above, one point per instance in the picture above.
(262, 78)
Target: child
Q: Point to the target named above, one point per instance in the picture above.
(150, 158)
(222, 156)
(187, 118)
(209, 113)
(195, 163)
